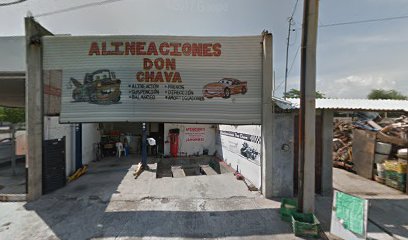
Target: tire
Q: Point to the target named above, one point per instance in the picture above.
(243, 90)
(76, 97)
(227, 93)
(92, 98)
(117, 99)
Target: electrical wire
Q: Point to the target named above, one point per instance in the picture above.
(69, 9)
(11, 3)
(364, 21)
(293, 61)
(280, 85)
(294, 9)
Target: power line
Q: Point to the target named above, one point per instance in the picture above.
(11, 3)
(294, 9)
(293, 61)
(364, 21)
(69, 9)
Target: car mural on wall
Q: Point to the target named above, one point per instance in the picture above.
(99, 87)
(248, 152)
(225, 88)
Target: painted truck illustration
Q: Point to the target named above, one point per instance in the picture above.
(225, 88)
(99, 87)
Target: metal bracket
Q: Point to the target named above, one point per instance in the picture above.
(35, 40)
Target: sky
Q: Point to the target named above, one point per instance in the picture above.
(351, 59)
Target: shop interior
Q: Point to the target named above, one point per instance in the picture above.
(129, 135)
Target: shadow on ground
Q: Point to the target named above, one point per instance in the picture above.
(94, 207)
(387, 217)
(10, 183)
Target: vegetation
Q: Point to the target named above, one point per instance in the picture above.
(12, 115)
(386, 94)
(294, 93)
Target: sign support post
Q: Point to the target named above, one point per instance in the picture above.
(144, 146)
(34, 106)
(266, 131)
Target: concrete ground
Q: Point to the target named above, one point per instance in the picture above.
(388, 208)
(108, 203)
(13, 184)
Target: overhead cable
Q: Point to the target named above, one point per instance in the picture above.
(69, 9)
(11, 3)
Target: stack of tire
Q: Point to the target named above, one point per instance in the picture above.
(382, 152)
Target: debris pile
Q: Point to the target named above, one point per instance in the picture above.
(393, 131)
(342, 141)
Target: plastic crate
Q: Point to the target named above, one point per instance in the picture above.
(396, 166)
(305, 225)
(288, 206)
(395, 184)
(399, 177)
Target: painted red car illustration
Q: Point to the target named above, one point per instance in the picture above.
(225, 88)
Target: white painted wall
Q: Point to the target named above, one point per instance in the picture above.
(230, 139)
(193, 138)
(90, 136)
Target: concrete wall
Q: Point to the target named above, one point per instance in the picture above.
(193, 138)
(230, 140)
(282, 154)
(327, 149)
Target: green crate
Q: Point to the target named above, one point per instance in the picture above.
(395, 184)
(399, 177)
(288, 206)
(305, 225)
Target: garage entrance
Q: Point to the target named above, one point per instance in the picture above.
(114, 83)
(130, 135)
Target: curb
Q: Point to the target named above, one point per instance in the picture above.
(13, 197)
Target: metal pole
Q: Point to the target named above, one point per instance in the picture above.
(287, 56)
(13, 149)
(307, 113)
(144, 145)
(78, 146)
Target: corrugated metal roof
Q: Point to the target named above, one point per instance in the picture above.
(347, 104)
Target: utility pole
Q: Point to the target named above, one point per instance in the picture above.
(307, 115)
(287, 55)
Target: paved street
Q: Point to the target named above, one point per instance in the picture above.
(108, 203)
(388, 211)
